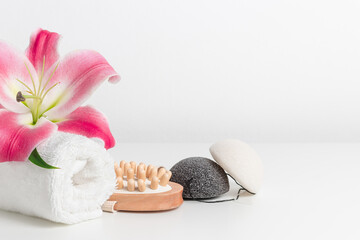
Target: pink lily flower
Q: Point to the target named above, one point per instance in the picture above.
(41, 94)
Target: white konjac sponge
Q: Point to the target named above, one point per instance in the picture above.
(240, 161)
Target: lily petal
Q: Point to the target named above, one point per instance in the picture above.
(12, 67)
(79, 74)
(43, 44)
(18, 138)
(89, 122)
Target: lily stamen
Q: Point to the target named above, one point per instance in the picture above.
(32, 79)
(51, 75)
(21, 98)
(37, 95)
(42, 74)
(30, 91)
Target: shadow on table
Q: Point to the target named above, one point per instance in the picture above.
(20, 219)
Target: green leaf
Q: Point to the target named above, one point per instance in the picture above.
(36, 159)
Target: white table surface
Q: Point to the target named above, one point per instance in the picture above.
(311, 191)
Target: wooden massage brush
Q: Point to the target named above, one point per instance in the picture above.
(143, 187)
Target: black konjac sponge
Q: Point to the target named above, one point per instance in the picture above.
(201, 178)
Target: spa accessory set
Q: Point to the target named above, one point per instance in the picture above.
(54, 162)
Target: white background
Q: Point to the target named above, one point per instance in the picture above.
(261, 71)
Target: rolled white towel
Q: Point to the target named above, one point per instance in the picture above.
(71, 194)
